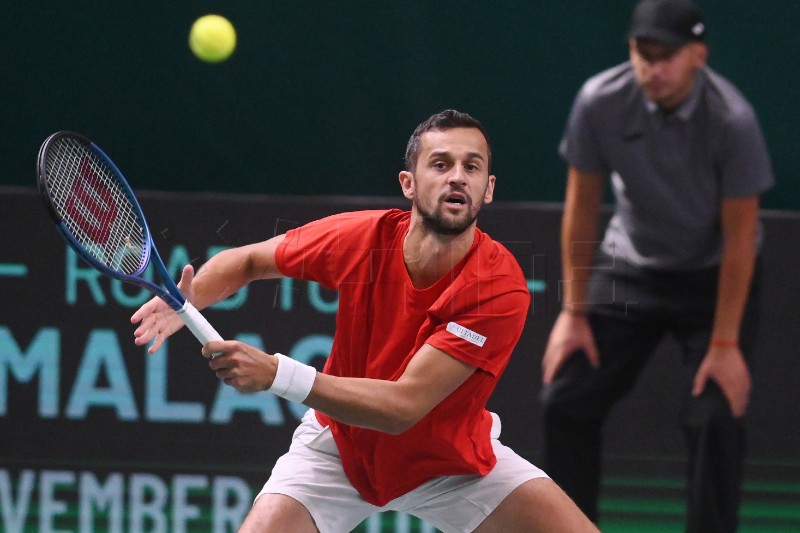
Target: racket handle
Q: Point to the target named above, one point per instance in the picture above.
(198, 324)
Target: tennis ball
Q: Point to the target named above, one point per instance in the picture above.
(212, 38)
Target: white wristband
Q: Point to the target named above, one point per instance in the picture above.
(294, 380)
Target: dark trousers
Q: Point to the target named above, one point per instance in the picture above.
(634, 310)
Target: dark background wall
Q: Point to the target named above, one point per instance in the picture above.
(320, 97)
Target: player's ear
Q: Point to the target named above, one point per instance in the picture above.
(489, 194)
(407, 184)
(631, 47)
(701, 54)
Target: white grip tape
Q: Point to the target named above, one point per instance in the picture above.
(198, 324)
(294, 380)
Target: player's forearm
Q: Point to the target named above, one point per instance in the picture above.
(370, 403)
(579, 229)
(740, 222)
(230, 270)
(735, 277)
(220, 277)
(577, 254)
(391, 406)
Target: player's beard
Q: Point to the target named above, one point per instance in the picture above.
(435, 220)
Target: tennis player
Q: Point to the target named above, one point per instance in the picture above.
(430, 309)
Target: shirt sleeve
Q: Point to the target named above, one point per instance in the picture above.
(580, 146)
(744, 161)
(486, 322)
(328, 250)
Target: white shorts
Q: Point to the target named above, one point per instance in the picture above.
(311, 473)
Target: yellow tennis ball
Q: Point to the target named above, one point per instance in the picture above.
(212, 38)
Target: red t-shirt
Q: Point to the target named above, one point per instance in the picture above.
(475, 314)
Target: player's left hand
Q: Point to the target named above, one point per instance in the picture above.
(727, 367)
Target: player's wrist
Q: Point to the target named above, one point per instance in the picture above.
(293, 380)
(574, 310)
(722, 342)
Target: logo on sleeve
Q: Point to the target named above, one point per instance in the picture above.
(465, 333)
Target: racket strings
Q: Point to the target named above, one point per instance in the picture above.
(94, 206)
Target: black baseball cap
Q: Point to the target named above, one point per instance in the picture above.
(673, 23)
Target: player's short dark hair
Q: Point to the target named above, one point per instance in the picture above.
(445, 120)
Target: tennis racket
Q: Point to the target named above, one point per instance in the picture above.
(97, 213)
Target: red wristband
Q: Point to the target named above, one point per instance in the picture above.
(724, 343)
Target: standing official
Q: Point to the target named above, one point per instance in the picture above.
(687, 162)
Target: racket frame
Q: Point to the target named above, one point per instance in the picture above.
(169, 292)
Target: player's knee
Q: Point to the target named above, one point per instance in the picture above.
(711, 407)
(278, 512)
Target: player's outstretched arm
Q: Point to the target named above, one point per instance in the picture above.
(388, 406)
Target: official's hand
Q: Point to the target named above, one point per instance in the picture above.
(157, 321)
(727, 368)
(570, 334)
(243, 367)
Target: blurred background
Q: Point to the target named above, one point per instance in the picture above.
(320, 97)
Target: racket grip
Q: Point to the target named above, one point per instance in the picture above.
(198, 324)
